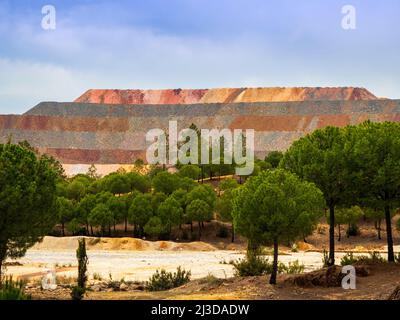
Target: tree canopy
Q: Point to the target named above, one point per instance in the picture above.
(27, 199)
(275, 207)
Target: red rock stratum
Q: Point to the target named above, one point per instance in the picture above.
(222, 95)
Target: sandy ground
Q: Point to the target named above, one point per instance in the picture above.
(137, 260)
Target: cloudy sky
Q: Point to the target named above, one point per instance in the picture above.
(194, 44)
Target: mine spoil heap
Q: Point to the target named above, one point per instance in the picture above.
(108, 127)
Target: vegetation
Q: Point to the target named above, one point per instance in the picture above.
(254, 264)
(322, 158)
(273, 207)
(13, 290)
(79, 291)
(27, 199)
(348, 216)
(372, 258)
(163, 280)
(350, 173)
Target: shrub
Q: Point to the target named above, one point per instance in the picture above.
(97, 276)
(292, 268)
(77, 293)
(256, 265)
(325, 258)
(348, 259)
(252, 265)
(372, 258)
(13, 290)
(163, 280)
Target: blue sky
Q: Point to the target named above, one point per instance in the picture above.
(194, 44)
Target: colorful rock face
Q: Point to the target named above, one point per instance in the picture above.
(113, 134)
(224, 95)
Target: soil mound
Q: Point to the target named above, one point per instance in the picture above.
(133, 244)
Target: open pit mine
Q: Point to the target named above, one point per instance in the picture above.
(107, 128)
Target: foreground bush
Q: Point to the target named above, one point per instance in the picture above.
(256, 265)
(252, 265)
(13, 290)
(163, 280)
(372, 258)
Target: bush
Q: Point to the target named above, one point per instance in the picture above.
(372, 258)
(256, 265)
(77, 293)
(163, 280)
(292, 268)
(348, 259)
(325, 258)
(222, 232)
(13, 290)
(252, 265)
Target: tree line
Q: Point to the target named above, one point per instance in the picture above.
(345, 172)
(339, 169)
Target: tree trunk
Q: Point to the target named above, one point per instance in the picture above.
(1, 273)
(331, 260)
(199, 230)
(91, 230)
(233, 233)
(379, 229)
(63, 229)
(274, 273)
(340, 234)
(3, 252)
(389, 236)
(126, 224)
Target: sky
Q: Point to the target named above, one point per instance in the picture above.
(158, 44)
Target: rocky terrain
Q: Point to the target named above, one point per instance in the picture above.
(108, 127)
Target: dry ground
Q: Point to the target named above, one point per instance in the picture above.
(381, 282)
